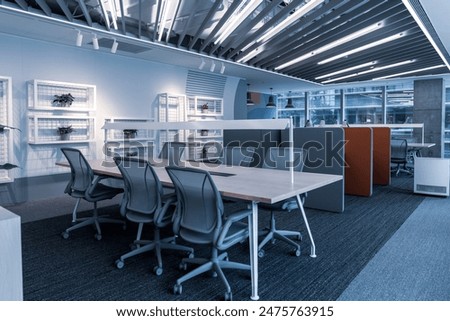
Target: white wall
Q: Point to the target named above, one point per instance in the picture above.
(126, 87)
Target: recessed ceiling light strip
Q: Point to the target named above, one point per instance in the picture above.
(367, 64)
(362, 48)
(333, 44)
(410, 72)
(370, 71)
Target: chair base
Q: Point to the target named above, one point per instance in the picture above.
(273, 234)
(214, 264)
(143, 246)
(402, 169)
(94, 220)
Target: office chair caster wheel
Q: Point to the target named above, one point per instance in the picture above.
(133, 247)
(177, 289)
(300, 237)
(65, 235)
(182, 266)
(297, 252)
(98, 237)
(190, 255)
(228, 296)
(120, 264)
(261, 253)
(158, 270)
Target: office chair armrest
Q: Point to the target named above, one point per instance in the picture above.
(229, 235)
(163, 216)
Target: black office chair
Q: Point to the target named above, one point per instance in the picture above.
(199, 219)
(144, 203)
(172, 151)
(238, 155)
(85, 185)
(278, 158)
(399, 156)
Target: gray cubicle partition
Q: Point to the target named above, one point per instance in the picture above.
(260, 139)
(326, 150)
(326, 155)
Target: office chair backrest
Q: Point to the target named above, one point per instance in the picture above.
(81, 172)
(278, 158)
(399, 149)
(143, 189)
(238, 155)
(199, 209)
(172, 151)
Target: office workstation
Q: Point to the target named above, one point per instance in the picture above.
(295, 75)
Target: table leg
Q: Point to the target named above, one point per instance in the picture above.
(305, 219)
(253, 227)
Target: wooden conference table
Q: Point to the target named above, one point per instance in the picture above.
(255, 185)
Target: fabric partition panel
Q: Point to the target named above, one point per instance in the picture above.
(381, 155)
(326, 150)
(359, 160)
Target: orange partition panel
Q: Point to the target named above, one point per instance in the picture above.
(358, 159)
(381, 155)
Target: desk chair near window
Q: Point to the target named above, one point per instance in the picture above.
(144, 203)
(199, 219)
(399, 156)
(278, 158)
(85, 185)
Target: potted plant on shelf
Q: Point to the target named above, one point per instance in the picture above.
(205, 108)
(129, 133)
(64, 132)
(63, 100)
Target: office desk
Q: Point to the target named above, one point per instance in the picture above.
(255, 185)
(415, 148)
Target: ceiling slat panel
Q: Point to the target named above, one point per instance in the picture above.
(207, 19)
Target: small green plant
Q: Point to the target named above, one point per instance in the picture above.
(129, 133)
(65, 130)
(63, 100)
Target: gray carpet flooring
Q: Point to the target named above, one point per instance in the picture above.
(82, 268)
(414, 264)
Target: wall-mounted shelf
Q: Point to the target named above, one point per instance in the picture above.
(43, 96)
(196, 104)
(132, 141)
(6, 137)
(48, 111)
(171, 108)
(202, 143)
(43, 129)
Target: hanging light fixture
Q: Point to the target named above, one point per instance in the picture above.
(271, 102)
(249, 97)
(289, 101)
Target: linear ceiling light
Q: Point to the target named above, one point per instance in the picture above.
(95, 42)
(425, 31)
(367, 64)
(162, 21)
(333, 44)
(236, 19)
(410, 72)
(370, 71)
(249, 56)
(362, 48)
(114, 46)
(299, 12)
(79, 39)
(113, 11)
